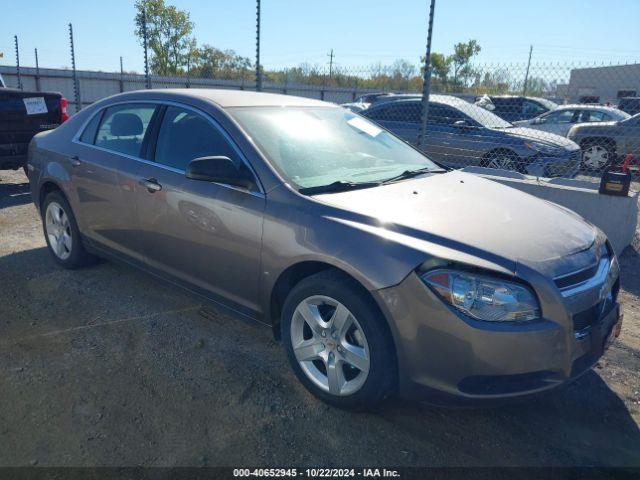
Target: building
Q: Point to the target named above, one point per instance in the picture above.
(603, 84)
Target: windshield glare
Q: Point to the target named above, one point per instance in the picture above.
(316, 146)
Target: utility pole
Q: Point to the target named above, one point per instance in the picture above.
(330, 55)
(526, 75)
(258, 70)
(121, 76)
(15, 40)
(426, 81)
(37, 71)
(145, 44)
(76, 85)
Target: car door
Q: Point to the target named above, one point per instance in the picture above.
(105, 158)
(203, 234)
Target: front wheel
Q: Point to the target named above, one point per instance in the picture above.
(337, 342)
(502, 160)
(596, 156)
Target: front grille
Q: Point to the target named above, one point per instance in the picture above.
(576, 277)
(586, 319)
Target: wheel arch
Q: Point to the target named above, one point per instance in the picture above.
(293, 275)
(46, 188)
(595, 139)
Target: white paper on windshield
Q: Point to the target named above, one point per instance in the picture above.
(364, 126)
(35, 105)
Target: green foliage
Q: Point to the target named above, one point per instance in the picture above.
(169, 32)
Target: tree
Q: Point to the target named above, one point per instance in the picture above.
(169, 33)
(212, 62)
(461, 61)
(440, 66)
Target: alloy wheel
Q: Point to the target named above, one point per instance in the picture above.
(58, 230)
(330, 345)
(502, 162)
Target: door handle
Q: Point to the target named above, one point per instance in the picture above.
(151, 184)
(74, 160)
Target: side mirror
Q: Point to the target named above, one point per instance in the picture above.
(218, 170)
(537, 121)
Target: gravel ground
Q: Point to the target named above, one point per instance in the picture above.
(108, 366)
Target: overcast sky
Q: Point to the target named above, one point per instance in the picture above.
(361, 32)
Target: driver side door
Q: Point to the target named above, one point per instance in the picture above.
(205, 235)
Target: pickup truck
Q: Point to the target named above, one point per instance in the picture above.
(22, 115)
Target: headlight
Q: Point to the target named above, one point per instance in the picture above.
(542, 148)
(483, 297)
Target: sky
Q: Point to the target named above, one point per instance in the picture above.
(361, 32)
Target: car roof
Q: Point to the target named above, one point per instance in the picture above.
(586, 106)
(225, 98)
(414, 98)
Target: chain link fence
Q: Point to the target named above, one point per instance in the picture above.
(547, 120)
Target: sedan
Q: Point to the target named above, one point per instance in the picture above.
(379, 270)
(604, 143)
(460, 134)
(560, 120)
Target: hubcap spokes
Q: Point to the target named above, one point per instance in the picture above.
(502, 163)
(330, 345)
(58, 230)
(595, 157)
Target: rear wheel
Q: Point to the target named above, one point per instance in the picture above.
(596, 155)
(337, 342)
(62, 234)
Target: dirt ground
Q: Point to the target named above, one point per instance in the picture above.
(108, 366)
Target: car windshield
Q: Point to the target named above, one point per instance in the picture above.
(482, 116)
(317, 146)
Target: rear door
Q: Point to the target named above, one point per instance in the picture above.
(206, 235)
(558, 122)
(104, 167)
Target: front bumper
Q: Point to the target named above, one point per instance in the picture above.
(565, 165)
(447, 358)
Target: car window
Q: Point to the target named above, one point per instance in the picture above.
(443, 115)
(397, 112)
(123, 128)
(564, 116)
(185, 135)
(89, 134)
(531, 108)
(596, 116)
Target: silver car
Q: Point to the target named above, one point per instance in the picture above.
(560, 120)
(379, 270)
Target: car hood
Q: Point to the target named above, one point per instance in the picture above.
(462, 212)
(550, 139)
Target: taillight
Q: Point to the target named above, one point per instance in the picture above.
(64, 116)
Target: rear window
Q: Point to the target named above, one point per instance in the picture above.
(89, 134)
(123, 127)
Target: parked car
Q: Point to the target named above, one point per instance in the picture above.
(631, 105)
(365, 101)
(377, 269)
(605, 142)
(22, 115)
(2, 84)
(560, 120)
(513, 108)
(461, 134)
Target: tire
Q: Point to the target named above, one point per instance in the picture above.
(597, 155)
(360, 337)
(58, 222)
(502, 160)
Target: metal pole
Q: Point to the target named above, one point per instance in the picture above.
(258, 70)
(189, 69)
(526, 75)
(76, 85)
(37, 71)
(15, 39)
(147, 77)
(331, 63)
(426, 82)
(121, 76)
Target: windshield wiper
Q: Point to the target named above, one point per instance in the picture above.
(408, 174)
(337, 186)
